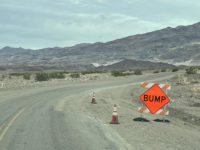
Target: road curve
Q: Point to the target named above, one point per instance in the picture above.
(29, 121)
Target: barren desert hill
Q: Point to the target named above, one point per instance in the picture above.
(135, 64)
(180, 45)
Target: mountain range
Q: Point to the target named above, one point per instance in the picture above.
(176, 46)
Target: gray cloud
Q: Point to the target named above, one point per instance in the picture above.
(45, 23)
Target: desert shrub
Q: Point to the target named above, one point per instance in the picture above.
(87, 72)
(60, 75)
(138, 72)
(156, 71)
(191, 70)
(174, 69)
(3, 76)
(16, 74)
(127, 73)
(42, 76)
(75, 75)
(163, 70)
(52, 75)
(117, 73)
(56, 75)
(91, 72)
(65, 72)
(27, 76)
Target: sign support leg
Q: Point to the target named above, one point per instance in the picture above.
(142, 113)
(164, 108)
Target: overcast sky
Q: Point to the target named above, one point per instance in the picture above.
(49, 23)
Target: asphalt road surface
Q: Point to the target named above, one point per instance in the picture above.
(29, 121)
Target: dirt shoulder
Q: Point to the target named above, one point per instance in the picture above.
(182, 132)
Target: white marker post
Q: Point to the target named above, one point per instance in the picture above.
(179, 78)
(2, 85)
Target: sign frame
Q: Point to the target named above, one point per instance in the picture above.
(157, 97)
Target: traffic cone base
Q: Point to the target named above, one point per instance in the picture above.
(114, 119)
(93, 100)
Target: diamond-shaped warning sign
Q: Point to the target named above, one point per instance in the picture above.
(154, 98)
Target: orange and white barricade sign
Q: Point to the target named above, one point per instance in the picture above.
(159, 112)
(149, 85)
(154, 99)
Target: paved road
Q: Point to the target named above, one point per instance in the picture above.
(28, 120)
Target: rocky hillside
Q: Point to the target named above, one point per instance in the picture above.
(180, 45)
(133, 64)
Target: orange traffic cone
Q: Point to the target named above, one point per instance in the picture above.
(93, 99)
(114, 116)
